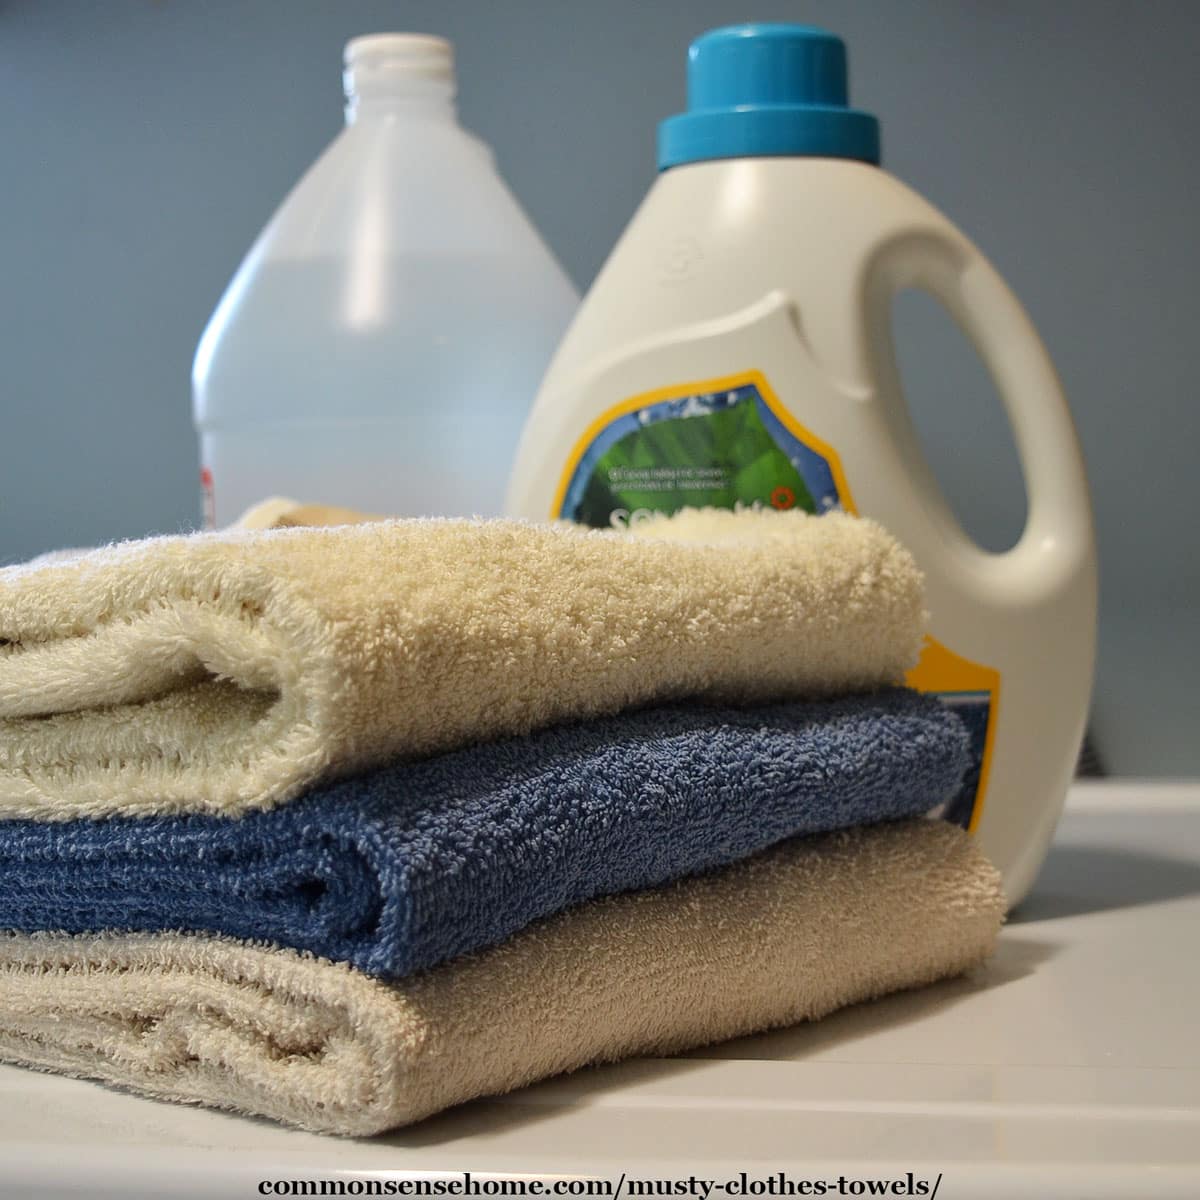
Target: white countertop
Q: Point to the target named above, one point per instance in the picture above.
(1068, 1067)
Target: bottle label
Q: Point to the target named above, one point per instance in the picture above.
(726, 443)
(208, 504)
(730, 443)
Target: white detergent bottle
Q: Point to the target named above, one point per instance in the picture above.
(381, 344)
(736, 349)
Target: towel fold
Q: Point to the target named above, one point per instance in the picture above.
(786, 936)
(228, 672)
(413, 864)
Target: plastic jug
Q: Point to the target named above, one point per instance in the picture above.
(736, 349)
(382, 342)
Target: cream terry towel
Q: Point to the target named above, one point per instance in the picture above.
(226, 672)
(787, 936)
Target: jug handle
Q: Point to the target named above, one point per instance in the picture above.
(1057, 539)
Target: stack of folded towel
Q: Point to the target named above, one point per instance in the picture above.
(343, 826)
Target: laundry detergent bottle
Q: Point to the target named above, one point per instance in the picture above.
(380, 345)
(736, 350)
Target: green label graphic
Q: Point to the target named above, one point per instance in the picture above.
(725, 449)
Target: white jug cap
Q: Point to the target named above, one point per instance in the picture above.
(382, 58)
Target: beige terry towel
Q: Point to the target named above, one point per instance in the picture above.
(224, 672)
(788, 936)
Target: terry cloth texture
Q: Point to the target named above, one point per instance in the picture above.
(786, 936)
(229, 671)
(417, 863)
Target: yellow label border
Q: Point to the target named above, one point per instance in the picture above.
(699, 387)
(951, 674)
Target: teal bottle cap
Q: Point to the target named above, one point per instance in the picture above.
(756, 90)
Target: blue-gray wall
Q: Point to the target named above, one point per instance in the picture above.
(143, 144)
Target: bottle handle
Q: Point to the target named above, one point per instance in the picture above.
(1057, 537)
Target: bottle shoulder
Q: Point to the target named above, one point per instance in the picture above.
(713, 238)
(389, 187)
(791, 202)
(395, 230)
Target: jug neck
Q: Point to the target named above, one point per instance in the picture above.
(408, 74)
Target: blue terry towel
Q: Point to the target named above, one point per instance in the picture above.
(419, 862)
